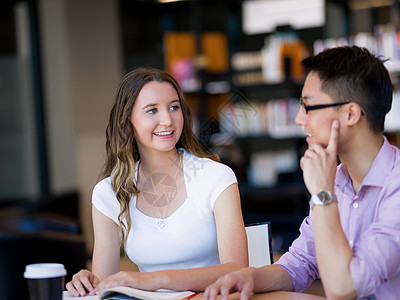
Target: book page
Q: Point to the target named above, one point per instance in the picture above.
(141, 294)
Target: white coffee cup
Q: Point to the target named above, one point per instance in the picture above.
(45, 280)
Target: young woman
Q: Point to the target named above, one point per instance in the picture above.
(174, 210)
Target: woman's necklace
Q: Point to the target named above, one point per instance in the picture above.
(169, 188)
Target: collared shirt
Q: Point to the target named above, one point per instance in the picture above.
(370, 220)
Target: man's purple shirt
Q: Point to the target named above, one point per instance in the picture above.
(370, 220)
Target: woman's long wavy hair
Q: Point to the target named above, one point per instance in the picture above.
(121, 148)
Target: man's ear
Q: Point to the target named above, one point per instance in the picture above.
(354, 113)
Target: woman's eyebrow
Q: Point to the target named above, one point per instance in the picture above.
(149, 105)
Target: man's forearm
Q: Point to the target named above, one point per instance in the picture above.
(333, 253)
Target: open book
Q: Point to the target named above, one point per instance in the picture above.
(123, 292)
(129, 293)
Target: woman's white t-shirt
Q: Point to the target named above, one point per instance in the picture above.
(190, 240)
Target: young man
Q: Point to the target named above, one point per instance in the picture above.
(351, 239)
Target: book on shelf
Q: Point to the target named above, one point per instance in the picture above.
(275, 117)
(130, 293)
(383, 41)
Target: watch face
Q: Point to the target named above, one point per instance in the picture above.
(322, 198)
(325, 196)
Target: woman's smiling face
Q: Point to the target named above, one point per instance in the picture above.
(157, 117)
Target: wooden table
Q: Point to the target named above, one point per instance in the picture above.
(272, 296)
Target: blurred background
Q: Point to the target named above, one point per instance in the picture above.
(238, 62)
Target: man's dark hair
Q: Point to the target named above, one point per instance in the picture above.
(354, 74)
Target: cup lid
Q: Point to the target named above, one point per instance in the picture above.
(44, 270)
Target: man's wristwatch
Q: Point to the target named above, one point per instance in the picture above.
(322, 198)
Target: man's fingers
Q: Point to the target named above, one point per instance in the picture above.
(211, 293)
(222, 286)
(244, 295)
(334, 138)
(224, 291)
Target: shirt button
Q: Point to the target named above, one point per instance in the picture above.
(355, 205)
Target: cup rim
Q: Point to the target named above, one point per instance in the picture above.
(44, 270)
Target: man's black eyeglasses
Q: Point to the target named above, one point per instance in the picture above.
(307, 108)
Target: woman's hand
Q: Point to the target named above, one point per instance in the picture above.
(82, 283)
(150, 281)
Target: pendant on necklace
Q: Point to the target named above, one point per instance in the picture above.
(163, 225)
